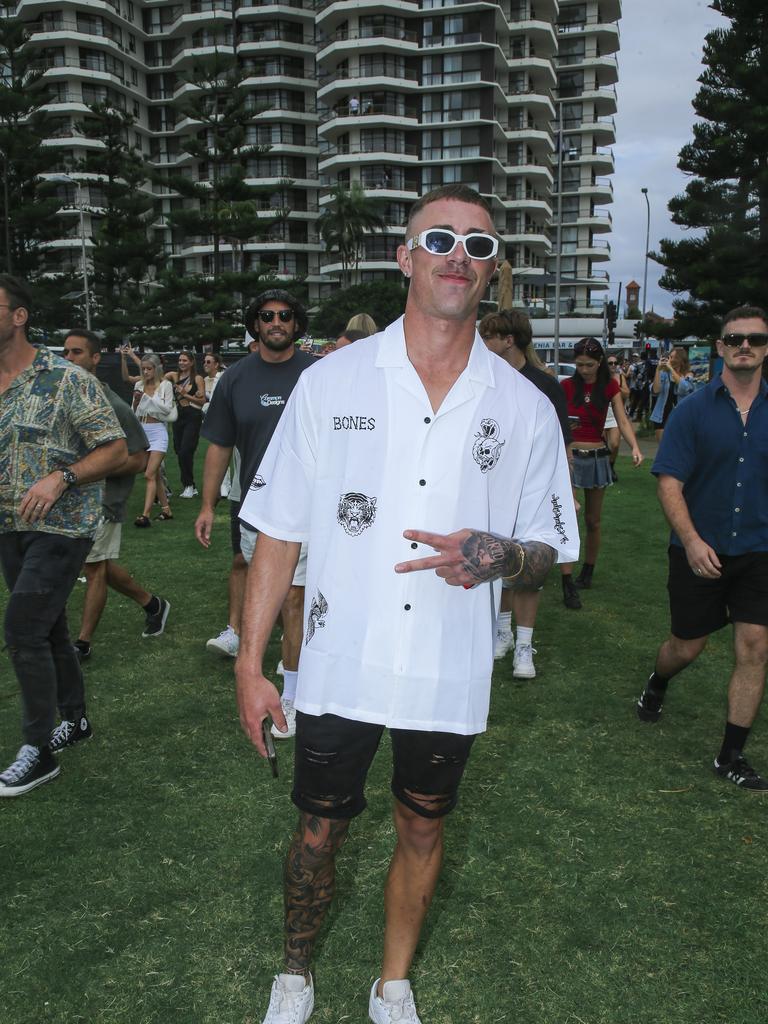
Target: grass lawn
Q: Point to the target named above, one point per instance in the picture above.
(596, 871)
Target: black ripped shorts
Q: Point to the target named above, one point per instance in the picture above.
(333, 756)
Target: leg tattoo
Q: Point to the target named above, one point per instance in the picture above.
(309, 883)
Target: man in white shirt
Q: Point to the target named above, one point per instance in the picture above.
(383, 454)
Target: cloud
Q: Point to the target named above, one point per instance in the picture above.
(659, 63)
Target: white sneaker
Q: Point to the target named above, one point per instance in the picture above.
(188, 492)
(291, 1001)
(522, 667)
(280, 670)
(227, 643)
(504, 643)
(396, 1006)
(290, 720)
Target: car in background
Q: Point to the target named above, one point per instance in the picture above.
(565, 370)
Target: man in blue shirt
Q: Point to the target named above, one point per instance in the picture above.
(713, 487)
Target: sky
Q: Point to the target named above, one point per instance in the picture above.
(659, 63)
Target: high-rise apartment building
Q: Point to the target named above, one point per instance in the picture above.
(513, 97)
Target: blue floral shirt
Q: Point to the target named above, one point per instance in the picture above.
(51, 416)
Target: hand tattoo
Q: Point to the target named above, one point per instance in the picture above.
(489, 556)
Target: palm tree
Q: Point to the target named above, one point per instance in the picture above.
(344, 223)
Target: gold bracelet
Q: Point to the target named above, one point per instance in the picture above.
(508, 579)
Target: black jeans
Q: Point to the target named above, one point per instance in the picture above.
(186, 434)
(40, 570)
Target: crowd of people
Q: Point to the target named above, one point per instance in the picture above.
(394, 506)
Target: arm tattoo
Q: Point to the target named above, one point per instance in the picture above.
(488, 556)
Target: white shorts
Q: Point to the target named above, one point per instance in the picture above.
(610, 419)
(106, 543)
(157, 435)
(248, 543)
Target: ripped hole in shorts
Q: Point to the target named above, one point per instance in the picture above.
(322, 758)
(447, 759)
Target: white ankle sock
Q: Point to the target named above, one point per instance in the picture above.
(293, 982)
(524, 635)
(504, 622)
(289, 685)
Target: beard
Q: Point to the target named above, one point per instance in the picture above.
(277, 344)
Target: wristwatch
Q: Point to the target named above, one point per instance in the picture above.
(70, 478)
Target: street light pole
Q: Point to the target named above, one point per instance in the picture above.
(647, 244)
(82, 253)
(66, 179)
(558, 238)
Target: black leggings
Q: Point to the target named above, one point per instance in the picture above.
(186, 434)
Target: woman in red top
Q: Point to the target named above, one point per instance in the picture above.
(590, 392)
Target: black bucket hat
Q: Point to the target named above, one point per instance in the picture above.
(276, 295)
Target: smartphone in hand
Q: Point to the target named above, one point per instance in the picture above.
(269, 744)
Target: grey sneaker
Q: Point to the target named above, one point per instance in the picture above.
(397, 1005)
(227, 643)
(291, 1001)
(33, 766)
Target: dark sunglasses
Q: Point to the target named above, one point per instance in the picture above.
(612, 362)
(737, 340)
(268, 315)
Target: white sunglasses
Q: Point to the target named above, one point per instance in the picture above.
(442, 242)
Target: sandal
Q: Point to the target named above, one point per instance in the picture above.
(142, 521)
(165, 513)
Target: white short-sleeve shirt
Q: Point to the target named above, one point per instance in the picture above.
(358, 457)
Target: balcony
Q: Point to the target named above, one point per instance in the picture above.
(346, 42)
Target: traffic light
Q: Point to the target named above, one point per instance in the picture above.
(648, 347)
(611, 336)
(638, 329)
(610, 312)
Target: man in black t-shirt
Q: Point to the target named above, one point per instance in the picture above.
(508, 334)
(244, 411)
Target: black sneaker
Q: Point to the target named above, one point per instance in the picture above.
(67, 733)
(155, 624)
(571, 597)
(82, 649)
(649, 706)
(33, 766)
(583, 581)
(741, 773)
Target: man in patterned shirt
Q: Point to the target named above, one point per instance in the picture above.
(58, 439)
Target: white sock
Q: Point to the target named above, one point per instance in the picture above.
(293, 982)
(524, 635)
(504, 622)
(289, 685)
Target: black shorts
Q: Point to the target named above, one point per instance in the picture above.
(333, 756)
(234, 527)
(701, 606)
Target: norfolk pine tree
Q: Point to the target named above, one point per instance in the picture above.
(27, 203)
(724, 265)
(125, 254)
(220, 203)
